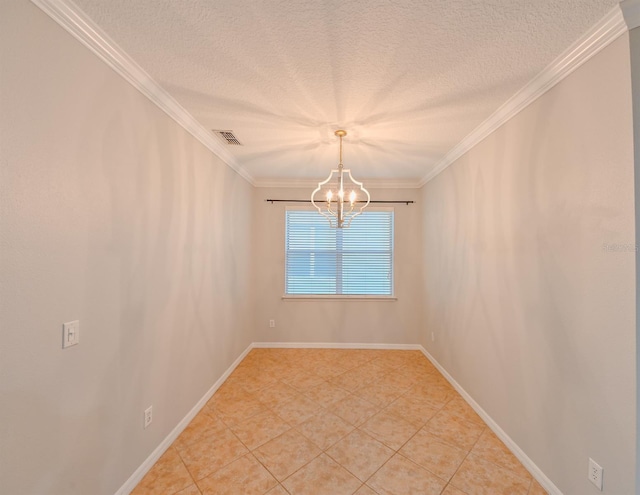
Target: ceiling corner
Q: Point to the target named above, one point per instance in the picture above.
(631, 13)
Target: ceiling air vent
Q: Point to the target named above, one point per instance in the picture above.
(228, 137)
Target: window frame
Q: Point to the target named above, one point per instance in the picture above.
(351, 297)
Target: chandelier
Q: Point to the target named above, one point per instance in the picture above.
(329, 197)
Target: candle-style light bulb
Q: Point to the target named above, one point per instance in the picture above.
(329, 196)
(352, 197)
(341, 193)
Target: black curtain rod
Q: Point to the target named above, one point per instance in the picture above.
(405, 202)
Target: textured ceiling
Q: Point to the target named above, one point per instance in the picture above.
(408, 79)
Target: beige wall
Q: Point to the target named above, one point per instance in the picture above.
(340, 321)
(530, 276)
(111, 214)
(634, 45)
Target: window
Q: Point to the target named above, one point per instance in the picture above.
(324, 261)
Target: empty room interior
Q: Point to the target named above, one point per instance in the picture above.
(361, 247)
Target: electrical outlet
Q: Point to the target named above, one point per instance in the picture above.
(272, 323)
(595, 473)
(148, 416)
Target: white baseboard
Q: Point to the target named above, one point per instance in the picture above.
(333, 345)
(144, 468)
(535, 471)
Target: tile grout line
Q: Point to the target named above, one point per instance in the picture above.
(465, 458)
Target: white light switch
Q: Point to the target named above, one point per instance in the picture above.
(70, 333)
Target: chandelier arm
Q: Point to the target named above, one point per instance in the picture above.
(331, 216)
(362, 188)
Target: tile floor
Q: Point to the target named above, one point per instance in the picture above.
(336, 421)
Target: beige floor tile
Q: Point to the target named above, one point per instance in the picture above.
(245, 475)
(326, 394)
(227, 396)
(351, 380)
(416, 355)
(300, 365)
(365, 490)
(354, 409)
(436, 395)
(286, 454)
(277, 393)
(419, 368)
(536, 489)
(459, 407)
(323, 353)
(259, 429)
(361, 454)
(390, 429)
(383, 365)
(379, 394)
(297, 410)
(391, 360)
(433, 454)
(479, 477)
(277, 490)
(322, 476)
(202, 425)
(400, 476)
(211, 453)
(413, 410)
(325, 429)
(452, 490)
(453, 430)
(328, 370)
(303, 382)
(437, 380)
(370, 371)
(490, 448)
(237, 379)
(399, 380)
(239, 411)
(190, 490)
(167, 476)
(280, 370)
(243, 372)
(352, 358)
(306, 361)
(253, 382)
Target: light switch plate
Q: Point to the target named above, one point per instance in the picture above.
(70, 333)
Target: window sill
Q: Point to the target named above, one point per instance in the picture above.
(315, 297)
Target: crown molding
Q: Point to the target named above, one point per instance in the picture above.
(80, 26)
(609, 28)
(631, 12)
(285, 183)
(310, 183)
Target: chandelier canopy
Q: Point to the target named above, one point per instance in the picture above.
(329, 197)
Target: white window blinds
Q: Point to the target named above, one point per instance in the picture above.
(353, 261)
